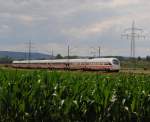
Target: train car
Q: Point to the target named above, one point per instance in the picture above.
(107, 64)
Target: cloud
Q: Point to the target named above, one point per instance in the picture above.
(122, 3)
(26, 19)
(4, 29)
(100, 27)
(51, 22)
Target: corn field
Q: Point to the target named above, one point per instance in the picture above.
(41, 96)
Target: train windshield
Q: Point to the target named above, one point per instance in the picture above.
(116, 62)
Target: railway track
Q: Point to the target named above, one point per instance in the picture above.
(136, 71)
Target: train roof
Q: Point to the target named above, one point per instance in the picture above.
(67, 60)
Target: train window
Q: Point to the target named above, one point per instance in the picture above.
(109, 63)
(106, 63)
(100, 63)
(115, 62)
(82, 63)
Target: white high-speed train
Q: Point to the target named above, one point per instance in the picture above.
(107, 64)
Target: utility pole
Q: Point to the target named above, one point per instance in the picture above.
(25, 54)
(52, 54)
(99, 51)
(93, 52)
(133, 33)
(29, 53)
(68, 51)
(68, 57)
(96, 52)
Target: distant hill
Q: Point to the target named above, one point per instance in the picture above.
(36, 56)
(23, 55)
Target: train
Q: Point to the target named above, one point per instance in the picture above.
(98, 64)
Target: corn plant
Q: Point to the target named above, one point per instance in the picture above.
(40, 95)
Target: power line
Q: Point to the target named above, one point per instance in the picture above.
(133, 33)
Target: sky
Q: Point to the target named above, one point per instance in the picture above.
(84, 25)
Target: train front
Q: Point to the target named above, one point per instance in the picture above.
(115, 64)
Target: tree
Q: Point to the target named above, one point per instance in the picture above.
(5, 60)
(59, 56)
(139, 58)
(148, 58)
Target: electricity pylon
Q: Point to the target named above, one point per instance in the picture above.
(132, 34)
(29, 44)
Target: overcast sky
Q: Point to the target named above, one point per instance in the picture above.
(83, 24)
